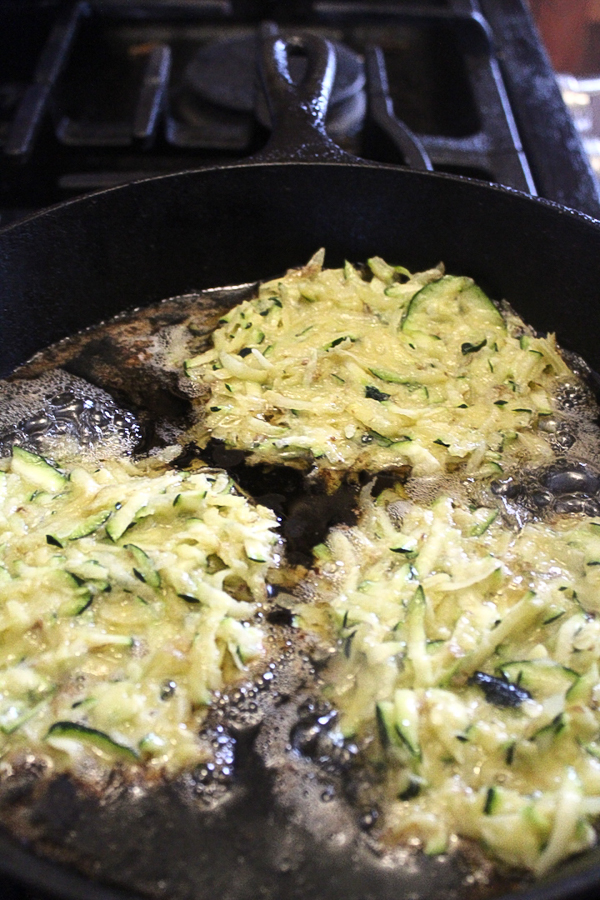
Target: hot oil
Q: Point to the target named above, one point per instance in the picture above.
(138, 358)
(571, 483)
(63, 417)
(119, 389)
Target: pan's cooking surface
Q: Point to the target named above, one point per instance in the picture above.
(243, 222)
(267, 821)
(267, 778)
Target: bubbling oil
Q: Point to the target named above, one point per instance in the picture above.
(63, 417)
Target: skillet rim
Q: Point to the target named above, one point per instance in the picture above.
(493, 188)
(48, 875)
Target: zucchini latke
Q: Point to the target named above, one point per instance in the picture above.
(128, 597)
(330, 367)
(467, 674)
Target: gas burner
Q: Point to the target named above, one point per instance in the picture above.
(224, 72)
(221, 80)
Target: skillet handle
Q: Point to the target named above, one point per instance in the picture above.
(298, 111)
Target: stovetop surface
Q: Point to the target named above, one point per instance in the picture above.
(104, 92)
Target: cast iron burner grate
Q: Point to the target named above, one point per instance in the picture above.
(97, 93)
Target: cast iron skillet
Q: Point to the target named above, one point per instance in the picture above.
(86, 260)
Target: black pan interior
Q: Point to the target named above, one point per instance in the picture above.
(83, 262)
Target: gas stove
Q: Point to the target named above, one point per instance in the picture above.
(95, 94)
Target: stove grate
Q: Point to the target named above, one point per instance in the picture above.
(112, 91)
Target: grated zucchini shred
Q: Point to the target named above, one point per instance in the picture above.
(519, 775)
(324, 365)
(161, 586)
